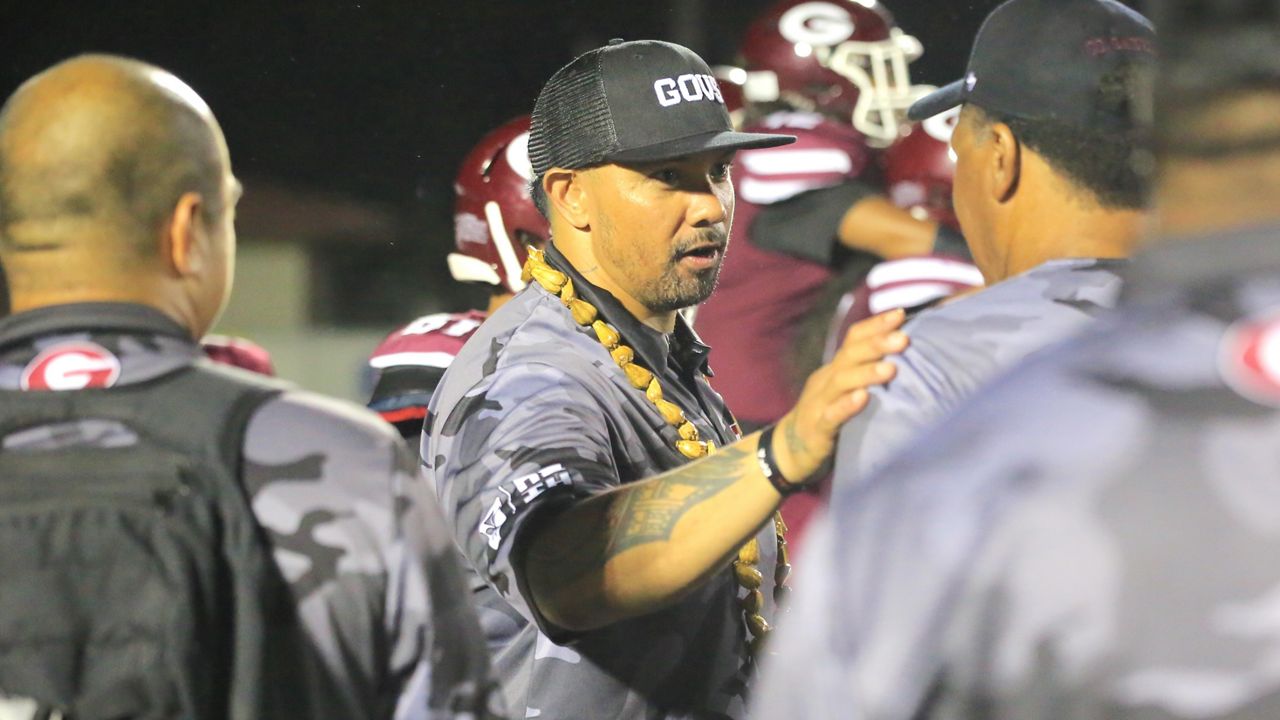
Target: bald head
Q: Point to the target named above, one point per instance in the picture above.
(115, 186)
(96, 151)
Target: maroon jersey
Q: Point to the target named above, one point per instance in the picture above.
(410, 362)
(790, 201)
(911, 283)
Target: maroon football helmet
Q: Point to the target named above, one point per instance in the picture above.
(919, 170)
(494, 217)
(731, 80)
(840, 57)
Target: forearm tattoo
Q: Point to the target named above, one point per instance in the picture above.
(650, 511)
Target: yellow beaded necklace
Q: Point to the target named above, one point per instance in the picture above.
(689, 444)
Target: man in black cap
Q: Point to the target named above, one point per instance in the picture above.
(1096, 535)
(619, 528)
(1048, 196)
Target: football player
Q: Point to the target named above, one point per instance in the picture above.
(494, 222)
(919, 170)
(834, 74)
(801, 208)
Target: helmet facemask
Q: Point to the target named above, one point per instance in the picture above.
(879, 69)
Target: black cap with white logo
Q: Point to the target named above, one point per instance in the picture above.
(1048, 59)
(633, 102)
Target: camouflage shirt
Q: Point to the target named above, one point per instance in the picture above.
(534, 415)
(1094, 536)
(957, 347)
(354, 528)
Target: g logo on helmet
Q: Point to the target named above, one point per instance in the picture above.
(816, 23)
(71, 366)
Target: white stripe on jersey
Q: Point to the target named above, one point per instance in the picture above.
(797, 162)
(767, 192)
(907, 296)
(420, 359)
(926, 269)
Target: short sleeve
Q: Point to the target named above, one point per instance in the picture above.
(527, 441)
(806, 226)
(430, 616)
(379, 589)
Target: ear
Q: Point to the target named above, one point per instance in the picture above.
(182, 240)
(567, 194)
(1006, 162)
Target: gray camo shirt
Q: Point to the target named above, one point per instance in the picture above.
(1095, 535)
(957, 347)
(352, 524)
(534, 415)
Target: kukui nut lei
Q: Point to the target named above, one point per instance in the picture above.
(745, 567)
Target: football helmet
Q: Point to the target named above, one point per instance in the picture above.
(919, 170)
(494, 216)
(837, 57)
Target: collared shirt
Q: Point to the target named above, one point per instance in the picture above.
(957, 347)
(354, 527)
(1095, 535)
(534, 415)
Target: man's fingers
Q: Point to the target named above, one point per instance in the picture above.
(877, 324)
(873, 338)
(871, 348)
(846, 380)
(847, 392)
(845, 406)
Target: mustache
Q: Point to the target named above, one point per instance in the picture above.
(704, 238)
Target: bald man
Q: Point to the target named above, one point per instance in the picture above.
(180, 539)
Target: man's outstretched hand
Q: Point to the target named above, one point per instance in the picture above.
(834, 393)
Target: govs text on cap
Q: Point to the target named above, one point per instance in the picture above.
(633, 102)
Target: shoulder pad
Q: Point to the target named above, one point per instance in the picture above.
(825, 153)
(429, 341)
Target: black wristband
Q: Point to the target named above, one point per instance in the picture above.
(769, 465)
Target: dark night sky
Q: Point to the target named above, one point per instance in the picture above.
(379, 100)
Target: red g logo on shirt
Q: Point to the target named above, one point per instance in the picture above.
(1249, 359)
(71, 366)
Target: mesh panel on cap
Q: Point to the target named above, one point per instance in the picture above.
(572, 127)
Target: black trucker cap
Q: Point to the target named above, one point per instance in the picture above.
(1047, 59)
(634, 102)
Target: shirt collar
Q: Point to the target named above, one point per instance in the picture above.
(654, 349)
(1203, 261)
(72, 317)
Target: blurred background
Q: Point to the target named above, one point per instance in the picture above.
(346, 122)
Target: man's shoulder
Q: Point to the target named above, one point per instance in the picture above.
(1029, 310)
(532, 332)
(332, 445)
(1030, 422)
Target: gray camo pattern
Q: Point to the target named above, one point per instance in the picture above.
(1094, 536)
(530, 391)
(959, 346)
(355, 529)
